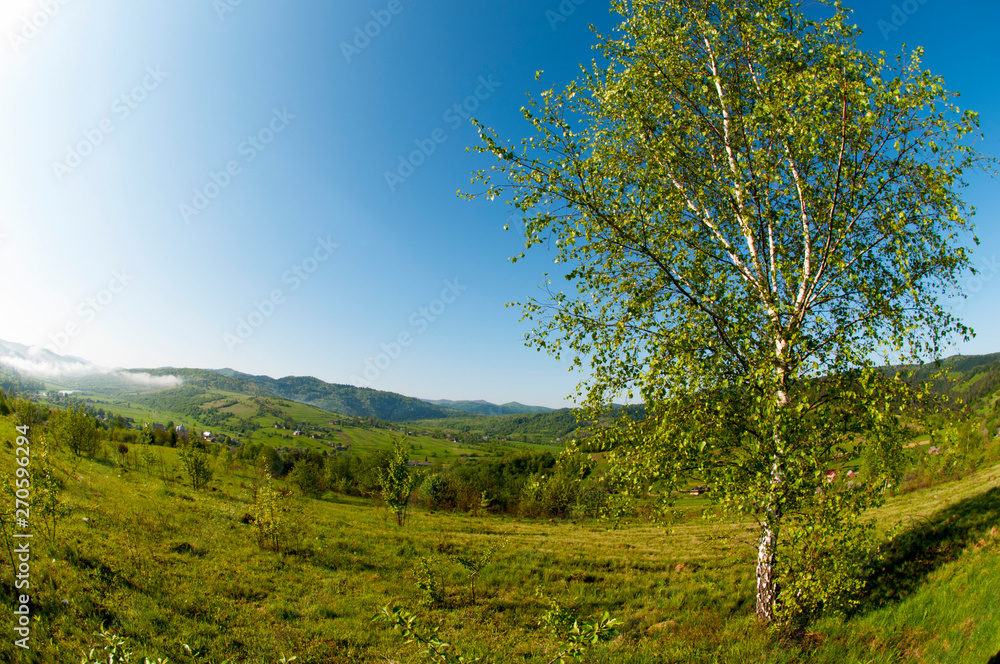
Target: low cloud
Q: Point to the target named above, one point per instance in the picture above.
(39, 362)
(49, 368)
(149, 380)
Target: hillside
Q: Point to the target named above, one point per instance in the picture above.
(22, 363)
(179, 573)
(248, 417)
(487, 408)
(12, 381)
(969, 380)
(345, 399)
(534, 427)
(36, 359)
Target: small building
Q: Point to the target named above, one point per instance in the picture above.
(698, 490)
(831, 475)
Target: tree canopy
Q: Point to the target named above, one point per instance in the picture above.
(753, 213)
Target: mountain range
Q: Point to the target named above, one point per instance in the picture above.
(69, 372)
(22, 366)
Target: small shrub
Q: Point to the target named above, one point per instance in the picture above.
(476, 563)
(197, 466)
(48, 488)
(438, 491)
(307, 475)
(78, 431)
(397, 482)
(265, 517)
(429, 583)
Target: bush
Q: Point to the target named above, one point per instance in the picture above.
(549, 496)
(78, 431)
(502, 479)
(591, 500)
(307, 475)
(397, 482)
(265, 516)
(196, 464)
(340, 475)
(370, 469)
(438, 492)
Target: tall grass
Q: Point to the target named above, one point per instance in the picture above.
(144, 555)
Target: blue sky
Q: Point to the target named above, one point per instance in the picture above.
(233, 207)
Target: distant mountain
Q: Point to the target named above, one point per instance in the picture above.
(961, 366)
(11, 382)
(975, 379)
(346, 399)
(76, 373)
(486, 408)
(39, 362)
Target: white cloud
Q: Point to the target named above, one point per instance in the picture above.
(149, 380)
(46, 368)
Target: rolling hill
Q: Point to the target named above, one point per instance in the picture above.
(481, 407)
(345, 399)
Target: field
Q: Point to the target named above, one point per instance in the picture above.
(178, 574)
(229, 413)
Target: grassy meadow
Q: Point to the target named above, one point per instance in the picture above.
(178, 574)
(203, 410)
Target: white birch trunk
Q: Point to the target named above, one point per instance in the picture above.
(767, 585)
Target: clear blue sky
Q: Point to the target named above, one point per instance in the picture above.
(287, 136)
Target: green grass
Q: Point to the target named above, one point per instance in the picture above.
(165, 566)
(359, 439)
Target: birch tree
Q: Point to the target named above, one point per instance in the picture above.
(753, 214)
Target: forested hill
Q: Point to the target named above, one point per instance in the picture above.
(167, 384)
(487, 408)
(14, 383)
(971, 378)
(346, 399)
